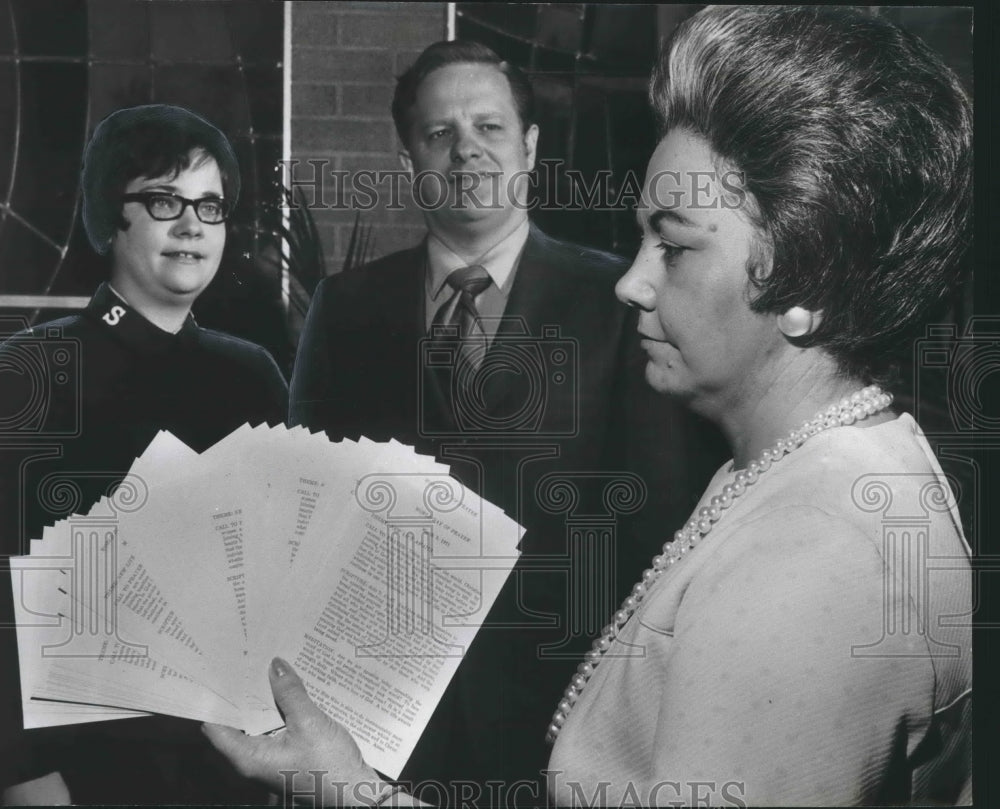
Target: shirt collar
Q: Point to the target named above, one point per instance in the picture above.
(113, 313)
(499, 261)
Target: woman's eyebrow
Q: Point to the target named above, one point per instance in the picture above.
(160, 187)
(674, 216)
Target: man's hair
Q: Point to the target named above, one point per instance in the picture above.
(457, 52)
(855, 145)
(155, 140)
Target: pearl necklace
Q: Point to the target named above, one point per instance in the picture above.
(859, 405)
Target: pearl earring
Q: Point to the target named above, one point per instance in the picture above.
(797, 322)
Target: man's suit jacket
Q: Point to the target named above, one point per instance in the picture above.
(569, 401)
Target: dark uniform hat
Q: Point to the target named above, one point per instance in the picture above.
(149, 141)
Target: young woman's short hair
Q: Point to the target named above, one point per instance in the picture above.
(855, 144)
(153, 140)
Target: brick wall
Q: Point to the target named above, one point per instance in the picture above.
(345, 57)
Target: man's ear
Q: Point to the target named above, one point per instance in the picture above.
(406, 162)
(530, 143)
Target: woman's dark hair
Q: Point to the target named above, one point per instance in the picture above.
(155, 140)
(456, 52)
(854, 142)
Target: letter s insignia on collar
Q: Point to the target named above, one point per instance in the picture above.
(112, 317)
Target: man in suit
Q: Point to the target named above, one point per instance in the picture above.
(504, 352)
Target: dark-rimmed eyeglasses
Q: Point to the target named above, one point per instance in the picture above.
(164, 206)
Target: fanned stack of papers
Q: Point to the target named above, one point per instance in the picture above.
(365, 565)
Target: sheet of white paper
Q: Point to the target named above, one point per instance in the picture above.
(392, 563)
(371, 639)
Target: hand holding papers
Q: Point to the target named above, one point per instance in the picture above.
(365, 565)
(313, 743)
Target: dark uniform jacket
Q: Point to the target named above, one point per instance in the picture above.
(80, 399)
(562, 399)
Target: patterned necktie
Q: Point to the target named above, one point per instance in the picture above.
(460, 311)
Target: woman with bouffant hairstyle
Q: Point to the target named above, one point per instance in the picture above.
(855, 146)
